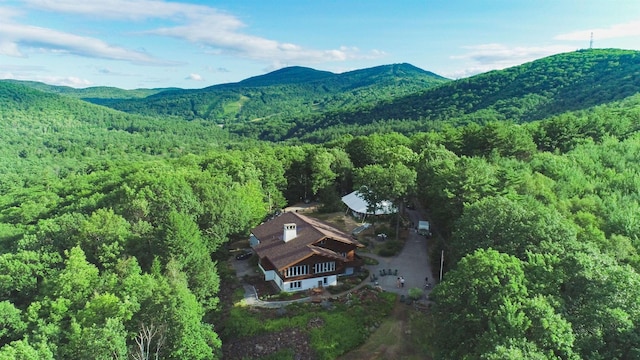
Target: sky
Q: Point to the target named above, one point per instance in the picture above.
(194, 44)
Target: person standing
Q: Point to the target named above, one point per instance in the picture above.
(401, 281)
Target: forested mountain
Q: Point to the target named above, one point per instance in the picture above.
(45, 134)
(114, 227)
(532, 91)
(94, 93)
(284, 94)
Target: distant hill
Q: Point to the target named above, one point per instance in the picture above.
(94, 93)
(287, 93)
(41, 130)
(309, 105)
(532, 91)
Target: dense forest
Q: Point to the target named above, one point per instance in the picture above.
(284, 94)
(533, 91)
(113, 225)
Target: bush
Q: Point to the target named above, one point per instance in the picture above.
(415, 293)
(370, 261)
(390, 248)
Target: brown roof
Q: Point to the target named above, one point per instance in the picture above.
(308, 232)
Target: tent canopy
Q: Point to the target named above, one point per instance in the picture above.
(358, 204)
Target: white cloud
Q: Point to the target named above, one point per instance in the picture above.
(486, 57)
(614, 31)
(72, 81)
(194, 77)
(204, 25)
(9, 49)
(14, 36)
(217, 70)
(122, 9)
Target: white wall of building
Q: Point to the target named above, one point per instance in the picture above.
(306, 284)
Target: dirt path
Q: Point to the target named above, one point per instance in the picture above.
(394, 339)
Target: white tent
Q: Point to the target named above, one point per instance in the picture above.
(359, 205)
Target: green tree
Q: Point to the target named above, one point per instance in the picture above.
(104, 341)
(24, 350)
(322, 174)
(514, 227)
(392, 183)
(183, 244)
(103, 237)
(11, 325)
(187, 337)
(484, 303)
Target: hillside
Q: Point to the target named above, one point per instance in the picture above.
(44, 133)
(284, 94)
(92, 94)
(532, 91)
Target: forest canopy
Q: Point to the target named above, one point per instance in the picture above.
(114, 226)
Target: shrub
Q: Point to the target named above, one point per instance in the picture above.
(415, 293)
(390, 248)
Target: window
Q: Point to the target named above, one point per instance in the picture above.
(295, 285)
(325, 281)
(297, 271)
(324, 267)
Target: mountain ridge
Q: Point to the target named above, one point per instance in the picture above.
(282, 94)
(528, 92)
(306, 106)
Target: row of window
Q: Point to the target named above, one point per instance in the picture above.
(297, 271)
(324, 267)
(304, 269)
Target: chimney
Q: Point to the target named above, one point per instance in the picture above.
(289, 232)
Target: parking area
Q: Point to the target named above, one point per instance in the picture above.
(412, 263)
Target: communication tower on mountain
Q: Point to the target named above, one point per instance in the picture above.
(591, 42)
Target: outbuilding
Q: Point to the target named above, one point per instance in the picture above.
(360, 208)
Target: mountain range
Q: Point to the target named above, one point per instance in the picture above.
(312, 105)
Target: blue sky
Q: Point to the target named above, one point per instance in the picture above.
(194, 44)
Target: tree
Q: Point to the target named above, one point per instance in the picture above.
(484, 303)
(187, 337)
(322, 175)
(24, 350)
(510, 226)
(103, 237)
(22, 272)
(11, 325)
(601, 301)
(182, 245)
(76, 282)
(149, 342)
(105, 341)
(378, 184)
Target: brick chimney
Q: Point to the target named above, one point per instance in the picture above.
(290, 232)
